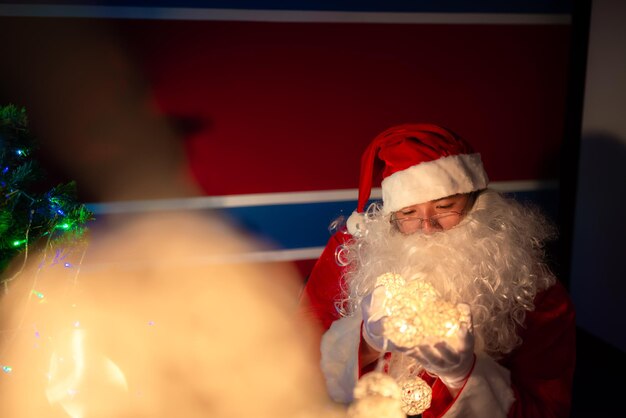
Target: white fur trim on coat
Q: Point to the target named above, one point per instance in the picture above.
(340, 357)
(487, 392)
(431, 180)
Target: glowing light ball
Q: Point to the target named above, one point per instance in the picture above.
(416, 395)
(392, 282)
(378, 395)
(417, 315)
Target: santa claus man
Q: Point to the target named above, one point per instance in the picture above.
(439, 223)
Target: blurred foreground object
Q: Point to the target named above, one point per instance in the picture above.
(160, 319)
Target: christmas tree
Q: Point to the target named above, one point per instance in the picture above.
(29, 215)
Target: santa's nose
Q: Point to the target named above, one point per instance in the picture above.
(429, 227)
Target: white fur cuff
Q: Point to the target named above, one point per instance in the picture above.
(340, 357)
(487, 392)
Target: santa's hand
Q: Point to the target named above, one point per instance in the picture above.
(452, 365)
(373, 312)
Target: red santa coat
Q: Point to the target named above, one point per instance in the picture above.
(534, 380)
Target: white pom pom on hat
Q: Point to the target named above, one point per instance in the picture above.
(418, 163)
(356, 223)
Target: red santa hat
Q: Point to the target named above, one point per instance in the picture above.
(418, 163)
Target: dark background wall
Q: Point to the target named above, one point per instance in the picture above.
(597, 271)
(597, 268)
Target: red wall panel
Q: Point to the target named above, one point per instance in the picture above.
(274, 107)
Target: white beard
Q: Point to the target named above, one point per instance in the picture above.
(492, 260)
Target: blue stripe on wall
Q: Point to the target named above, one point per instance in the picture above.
(426, 6)
(291, 226)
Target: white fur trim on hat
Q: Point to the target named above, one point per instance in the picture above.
(431, 180)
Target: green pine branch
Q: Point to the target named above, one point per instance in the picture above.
(27, 215)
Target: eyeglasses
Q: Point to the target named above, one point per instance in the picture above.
(415, 222)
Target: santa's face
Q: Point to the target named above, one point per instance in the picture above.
(432, 216)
